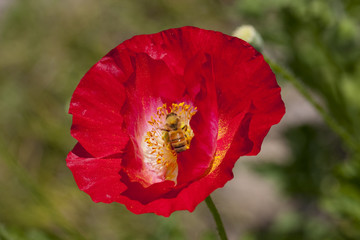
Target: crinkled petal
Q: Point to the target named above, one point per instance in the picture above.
(98, 177)
(154, 79)
(201, 88)
(96, 105)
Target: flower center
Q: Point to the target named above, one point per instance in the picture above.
(169, 133)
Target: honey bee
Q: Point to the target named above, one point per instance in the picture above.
(175, 135)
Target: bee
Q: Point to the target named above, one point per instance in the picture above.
(175, 135)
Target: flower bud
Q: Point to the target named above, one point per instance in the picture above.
(249, 34)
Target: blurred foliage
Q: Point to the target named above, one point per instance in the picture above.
(47, 45)
(319, 42)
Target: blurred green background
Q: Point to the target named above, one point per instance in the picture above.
(46, 46)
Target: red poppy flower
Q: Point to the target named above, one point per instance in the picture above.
(162, 118)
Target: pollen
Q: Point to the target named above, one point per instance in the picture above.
(160, 155)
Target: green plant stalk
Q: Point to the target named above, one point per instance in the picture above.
(331, 122)
(217, 218)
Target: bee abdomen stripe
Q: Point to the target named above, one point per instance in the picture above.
(177, 139)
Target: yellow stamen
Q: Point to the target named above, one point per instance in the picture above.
(159, 155)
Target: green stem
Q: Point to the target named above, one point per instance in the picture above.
(217, 218)
(332, 123)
